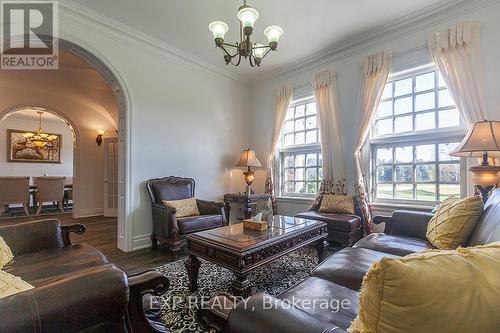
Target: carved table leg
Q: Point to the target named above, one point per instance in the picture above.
(241, 286)
(192, 264)
(321, 248)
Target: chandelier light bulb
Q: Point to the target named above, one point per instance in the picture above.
(248, 16)
(258, 50)
(218, 29)
(273, 33)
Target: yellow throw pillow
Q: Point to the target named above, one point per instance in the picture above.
(5, 253)
(184, 207)
(337, 204)
(10, 284)
(454, 222)
(441, 291)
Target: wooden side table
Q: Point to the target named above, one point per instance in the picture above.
(248, 200)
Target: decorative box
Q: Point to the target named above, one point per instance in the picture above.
(255, 225)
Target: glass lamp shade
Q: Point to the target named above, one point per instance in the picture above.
(259, 50)
(248, 16)
(218, 29)
(273, 33)
(482, 137)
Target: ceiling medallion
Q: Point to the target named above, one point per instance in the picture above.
(254, 52)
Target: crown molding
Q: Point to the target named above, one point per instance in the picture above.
(427, 17)
(108, 25)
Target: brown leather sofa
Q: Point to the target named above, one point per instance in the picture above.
(340, 277)
(344, 229)
(76, 288)
(172, 230)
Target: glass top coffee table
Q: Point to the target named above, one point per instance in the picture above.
(242, 251)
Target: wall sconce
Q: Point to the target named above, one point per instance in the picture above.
(100, 132)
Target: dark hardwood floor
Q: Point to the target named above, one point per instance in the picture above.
(102, 233)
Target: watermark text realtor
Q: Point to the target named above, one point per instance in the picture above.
(29, 31)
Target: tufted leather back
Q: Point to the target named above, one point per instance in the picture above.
(170, 188)
(488, 227)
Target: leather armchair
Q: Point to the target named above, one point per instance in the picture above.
(170, 229)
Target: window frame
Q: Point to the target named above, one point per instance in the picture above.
(302, 149)
(415, 138)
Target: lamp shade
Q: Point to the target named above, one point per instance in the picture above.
(273, 33)
(218, 29)
(248, 159)
(248, 16)
(482, 137)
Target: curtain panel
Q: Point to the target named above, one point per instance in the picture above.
(375, 72)
(326, 96)
(284, 96)
(457, 53)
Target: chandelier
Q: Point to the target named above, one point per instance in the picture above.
(254, 52)
(39, 139)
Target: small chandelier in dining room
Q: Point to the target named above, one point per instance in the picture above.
(39, 139)
(244, 48)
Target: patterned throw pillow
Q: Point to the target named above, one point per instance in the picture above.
(11, 284)
(5, 253)
(184, 207)
(454, 222)
(337, 204)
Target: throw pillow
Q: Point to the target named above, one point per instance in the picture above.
(418, 293)
(337, 204)
(10, 284)
(5, 253)
(454, 222)
(184, 207)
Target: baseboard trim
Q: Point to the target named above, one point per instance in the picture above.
(89, 212)
(140, 242)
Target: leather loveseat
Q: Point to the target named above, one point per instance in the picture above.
(76, 288)
(340, 277)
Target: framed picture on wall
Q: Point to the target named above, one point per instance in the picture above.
(23, 148)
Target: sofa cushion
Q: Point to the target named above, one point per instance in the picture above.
(419, 292)
(488, 227)
(191, 224)
(42, 267)
(336, 204)
(339, 222)
(453, 223)
(69, 303)
(310, 295)
(348, 266)
(397, 245)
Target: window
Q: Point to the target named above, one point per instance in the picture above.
(416, 127)
(300, 151)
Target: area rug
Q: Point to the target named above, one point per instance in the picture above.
(178, 304)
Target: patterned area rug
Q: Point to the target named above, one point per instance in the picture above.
(179, 305)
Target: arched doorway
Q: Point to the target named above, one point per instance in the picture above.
(99, 63)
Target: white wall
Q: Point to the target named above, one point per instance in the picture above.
(408, 42)
(186, 119)
(65, 168)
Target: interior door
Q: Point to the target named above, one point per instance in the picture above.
(110, 177)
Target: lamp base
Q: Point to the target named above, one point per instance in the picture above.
(484, 192)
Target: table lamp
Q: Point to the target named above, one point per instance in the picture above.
(248, 159)
(482, 140)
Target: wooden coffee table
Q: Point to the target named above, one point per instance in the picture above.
(242, 251)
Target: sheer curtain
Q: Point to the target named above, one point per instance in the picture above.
(284, 96)
(334, 172)
(376, 69)
(457, 53)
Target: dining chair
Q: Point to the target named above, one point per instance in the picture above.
(50, 189)
(14, 190)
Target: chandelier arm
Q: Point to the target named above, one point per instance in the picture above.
(252, 64)
(266, 53)
(230, 45)
(239, 60)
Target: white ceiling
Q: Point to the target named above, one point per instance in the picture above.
(310, 26)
